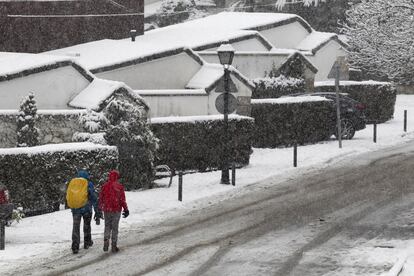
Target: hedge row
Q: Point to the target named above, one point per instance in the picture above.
(266, 88)
(197, 143)
(36, 177)
(378, 97)
(286, 121)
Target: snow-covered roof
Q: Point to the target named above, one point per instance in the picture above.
(316, 40)
(16, 65)
(206, 76)
(242, 21)
(99, 91)
(155, 43)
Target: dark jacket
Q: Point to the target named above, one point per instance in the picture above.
(112, 195)
(92, 199)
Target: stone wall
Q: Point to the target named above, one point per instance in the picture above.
(54, 126)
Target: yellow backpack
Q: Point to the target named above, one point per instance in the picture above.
(77, 193)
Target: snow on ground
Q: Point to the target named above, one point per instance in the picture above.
(40, 237)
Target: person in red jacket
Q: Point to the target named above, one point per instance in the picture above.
(4, 194)
(111, 202)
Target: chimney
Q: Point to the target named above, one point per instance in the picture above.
(133, 34)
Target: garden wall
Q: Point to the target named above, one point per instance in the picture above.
(286, 121)
(54, 127)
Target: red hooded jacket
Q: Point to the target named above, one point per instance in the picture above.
(4, 199)
(112, 195)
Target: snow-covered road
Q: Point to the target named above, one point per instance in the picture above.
(322, 223)
(46, 238)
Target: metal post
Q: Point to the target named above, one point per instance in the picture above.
(225, 177)
(2, 234)
(295, 155)
(338, 112)
(180, 186)
(375, 132)
(405, 120)
(233, 174)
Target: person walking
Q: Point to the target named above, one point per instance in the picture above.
(81, 198)
(112, 201)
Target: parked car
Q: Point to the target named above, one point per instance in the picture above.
(352, 112)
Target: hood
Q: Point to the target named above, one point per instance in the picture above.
(113, 176)
(83, 174)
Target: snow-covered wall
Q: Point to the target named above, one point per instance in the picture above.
(172, 72)
(54, 126)
(176, 103)
(192, 102)
(286, 36)
(53, 89)
(325, 58)
(251, 64)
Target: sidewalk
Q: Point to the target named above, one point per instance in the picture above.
(47, 236)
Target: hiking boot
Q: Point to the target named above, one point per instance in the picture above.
(114, 249)
(106, 245)
(87, 244)
(75, 250)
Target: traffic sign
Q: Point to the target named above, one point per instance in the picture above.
(220, 86)
(220, 103)
(342, 65)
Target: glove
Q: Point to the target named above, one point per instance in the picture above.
(125, 213)
(98, 215)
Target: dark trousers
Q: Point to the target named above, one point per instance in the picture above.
(111, 226)
(87, 237)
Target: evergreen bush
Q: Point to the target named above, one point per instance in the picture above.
(36, 177)
(198, 145)
(27, 133)
(279, 122)
(378, 97)
(129, 131)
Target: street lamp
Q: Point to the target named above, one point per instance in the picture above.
(226, 53)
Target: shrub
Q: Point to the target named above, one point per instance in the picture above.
(378, 97)
(285, 121)
(36, 177)
(196, 143)
(129, 131)
(275, 87)
(27, 133)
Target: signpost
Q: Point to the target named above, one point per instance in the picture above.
(339, 71)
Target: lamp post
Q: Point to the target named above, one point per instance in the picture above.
(226, 53)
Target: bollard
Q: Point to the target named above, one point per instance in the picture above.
(405, 120)
(295, 155)
(2, 234)
(375, 132)
(233, 174)
(180, 186)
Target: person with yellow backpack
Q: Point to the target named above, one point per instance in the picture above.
(81, 198)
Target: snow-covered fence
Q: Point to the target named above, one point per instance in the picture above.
(292, 120)
(36, 176)
(55, 126)
(197, 142)
(378, 97)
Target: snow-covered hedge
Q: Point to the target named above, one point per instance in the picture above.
(36, 176)
(378, 97)
(277, 87)
(197, 142)
(284, 121)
